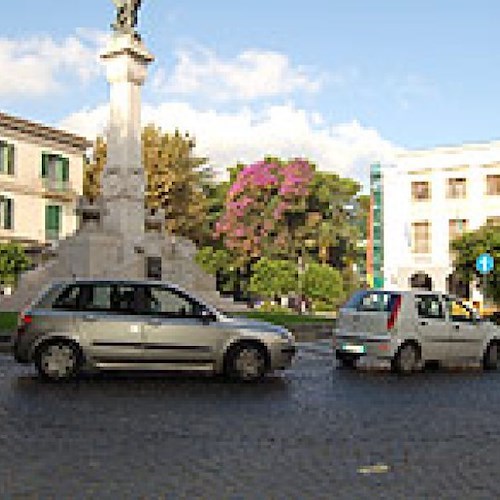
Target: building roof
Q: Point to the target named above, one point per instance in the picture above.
(33, 129)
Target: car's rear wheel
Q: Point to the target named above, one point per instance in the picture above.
(346, 360)
(246, 362)
(58, 360)
(406, 359)
(491, 358)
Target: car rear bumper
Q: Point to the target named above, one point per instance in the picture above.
(382, 347)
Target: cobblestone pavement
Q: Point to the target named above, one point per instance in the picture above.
(312, 432)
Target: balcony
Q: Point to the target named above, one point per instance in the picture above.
(56, 185)
(52, 235)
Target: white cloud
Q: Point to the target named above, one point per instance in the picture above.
(251, 75)
(36, 66)
(247, 136)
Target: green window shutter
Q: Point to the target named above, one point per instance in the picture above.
(3, 208)
(45, 165)
(10, 159)
(9, 213)
(52, 221)
(3, 158)
(65, 167)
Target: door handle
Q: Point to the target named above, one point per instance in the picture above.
(90, 317)
(423, 323)
(457, 327)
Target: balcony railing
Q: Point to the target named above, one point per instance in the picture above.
(56, 185)
(52, 234)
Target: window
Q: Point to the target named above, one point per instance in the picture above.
(55, 171)
(97, 297)
(6, 158)
(456, 188)
(124, 299)
(369, 301)
(69, 299)
(6, 213)
(420, 190)
(163, 301)
(493, 184)
(421, 234)
(52, 222)
(456, 227)
(458, 311)
(120, 299)
(429, 306)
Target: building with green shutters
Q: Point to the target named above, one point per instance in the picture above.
(41, 179)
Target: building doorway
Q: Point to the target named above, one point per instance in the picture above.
(421, 281)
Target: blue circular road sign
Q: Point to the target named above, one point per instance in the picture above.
(485, 263)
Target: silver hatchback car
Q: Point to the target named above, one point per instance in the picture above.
(130, 325)
(409, 328)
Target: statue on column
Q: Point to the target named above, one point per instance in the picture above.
(126, 16)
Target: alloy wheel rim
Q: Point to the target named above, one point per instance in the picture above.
(407, 359)
(249, 363)
(58, 360)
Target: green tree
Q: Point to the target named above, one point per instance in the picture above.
(13, 261)
(273, 278)
(468, 247)
(175, 179)
(323, 285)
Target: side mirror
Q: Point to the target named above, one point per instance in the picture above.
(206, 316)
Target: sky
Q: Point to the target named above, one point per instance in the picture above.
(342, 83)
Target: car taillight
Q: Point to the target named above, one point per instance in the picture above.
(394, 313)
(25, 319)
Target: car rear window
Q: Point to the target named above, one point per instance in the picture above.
(372, 301)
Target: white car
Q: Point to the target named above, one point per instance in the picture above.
(410, 328)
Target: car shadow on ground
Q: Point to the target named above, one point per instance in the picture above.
(142, 383)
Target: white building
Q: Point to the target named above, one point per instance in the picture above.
(430, 197)
(41, 178)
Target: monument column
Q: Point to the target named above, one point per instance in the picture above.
(123, 181)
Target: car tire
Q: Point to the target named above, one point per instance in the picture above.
(491, 358)
(245, 362)
(58, 360)
(406, 360)
(346, 360)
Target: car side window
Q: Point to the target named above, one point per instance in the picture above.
(97, 297)
(68, 299)
(163, 301)
(429, 306)
(458, 311)
(123, 299)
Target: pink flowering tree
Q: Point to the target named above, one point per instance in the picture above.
(263, 200)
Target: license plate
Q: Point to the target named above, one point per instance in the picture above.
(356, 349)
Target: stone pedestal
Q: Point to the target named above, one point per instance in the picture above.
(123, 182)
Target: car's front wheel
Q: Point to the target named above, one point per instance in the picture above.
(58, 360)
(491, 358)
(245, 362)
